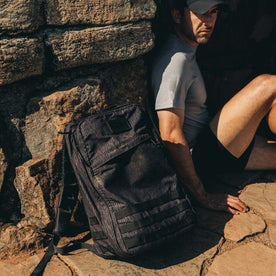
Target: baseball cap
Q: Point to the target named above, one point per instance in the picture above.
(203, 6)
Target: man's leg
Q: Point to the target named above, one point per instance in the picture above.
(236, 124)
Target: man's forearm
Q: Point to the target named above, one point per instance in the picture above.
(183, 163)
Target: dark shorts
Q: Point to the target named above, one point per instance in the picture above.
(210, 156)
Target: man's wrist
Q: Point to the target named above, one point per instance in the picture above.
(198, 190)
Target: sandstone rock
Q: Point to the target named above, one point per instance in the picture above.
(48, 115)
(262, 198)
(272, 233)
(20, 15)
(33, 188)
(72, 48)
(16, 239)
(20, 58)
(106, 12)
(55, 267)
(243, 225)
(250, 259)
(183, 256)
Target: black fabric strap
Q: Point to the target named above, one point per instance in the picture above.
(157, 235)
(38, 271)
(93, 221)
(124, 212)
(98, 235)
(135, 225)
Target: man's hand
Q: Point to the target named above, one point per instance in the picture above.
(223, 202)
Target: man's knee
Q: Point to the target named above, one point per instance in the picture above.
(266, 83)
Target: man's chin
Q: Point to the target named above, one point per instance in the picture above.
(203, 40)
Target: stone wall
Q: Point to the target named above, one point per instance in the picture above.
(59, 60)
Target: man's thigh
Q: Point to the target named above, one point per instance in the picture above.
(235, 125)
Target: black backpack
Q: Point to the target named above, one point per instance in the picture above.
(131, 194)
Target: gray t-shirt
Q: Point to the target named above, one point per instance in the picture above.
(178, 83)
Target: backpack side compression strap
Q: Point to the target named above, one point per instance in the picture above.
(38, 271)
(67, 201)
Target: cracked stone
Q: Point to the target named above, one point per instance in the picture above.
(234, 228)
(250, 259)
(272, 233)
(187, 254)
(262, 198)
(72, 48)
(105, 12)
(55, 267)
(20, 58)
(243, 225)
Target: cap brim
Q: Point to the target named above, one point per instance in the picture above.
(203, 6)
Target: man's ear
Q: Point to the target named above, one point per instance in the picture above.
(176, 16)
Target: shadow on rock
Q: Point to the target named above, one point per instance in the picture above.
(198, 242)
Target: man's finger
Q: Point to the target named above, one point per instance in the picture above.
(231, 210)
(234, 202)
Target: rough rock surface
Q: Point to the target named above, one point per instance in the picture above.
(250, 259)
(20, 15)
(272, 233)
(25, 268)
(261, 198)
(16, 238)
(72, 48)
(243, 225)
(20, 58)
(76, 33)
(106, 12)
(31, 183)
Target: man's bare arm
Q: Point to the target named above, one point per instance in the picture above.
(170, 125)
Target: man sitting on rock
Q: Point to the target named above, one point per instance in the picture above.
(227, 142)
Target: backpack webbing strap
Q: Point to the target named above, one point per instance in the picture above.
(152, 237)
(153, 218)
(38, 271)
(130, 210)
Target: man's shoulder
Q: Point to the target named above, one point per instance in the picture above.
(174, 51)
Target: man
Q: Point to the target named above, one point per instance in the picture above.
(227, 141)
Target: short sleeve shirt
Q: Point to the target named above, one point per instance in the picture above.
(177, 83)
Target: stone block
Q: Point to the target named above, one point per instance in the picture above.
(27, 265)
(250, 259)
(261, 197)
(78, 47)
(15, 238)
(96, 12)
(31, 183)
(20, 15)
(243, 225)
(20, 58)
